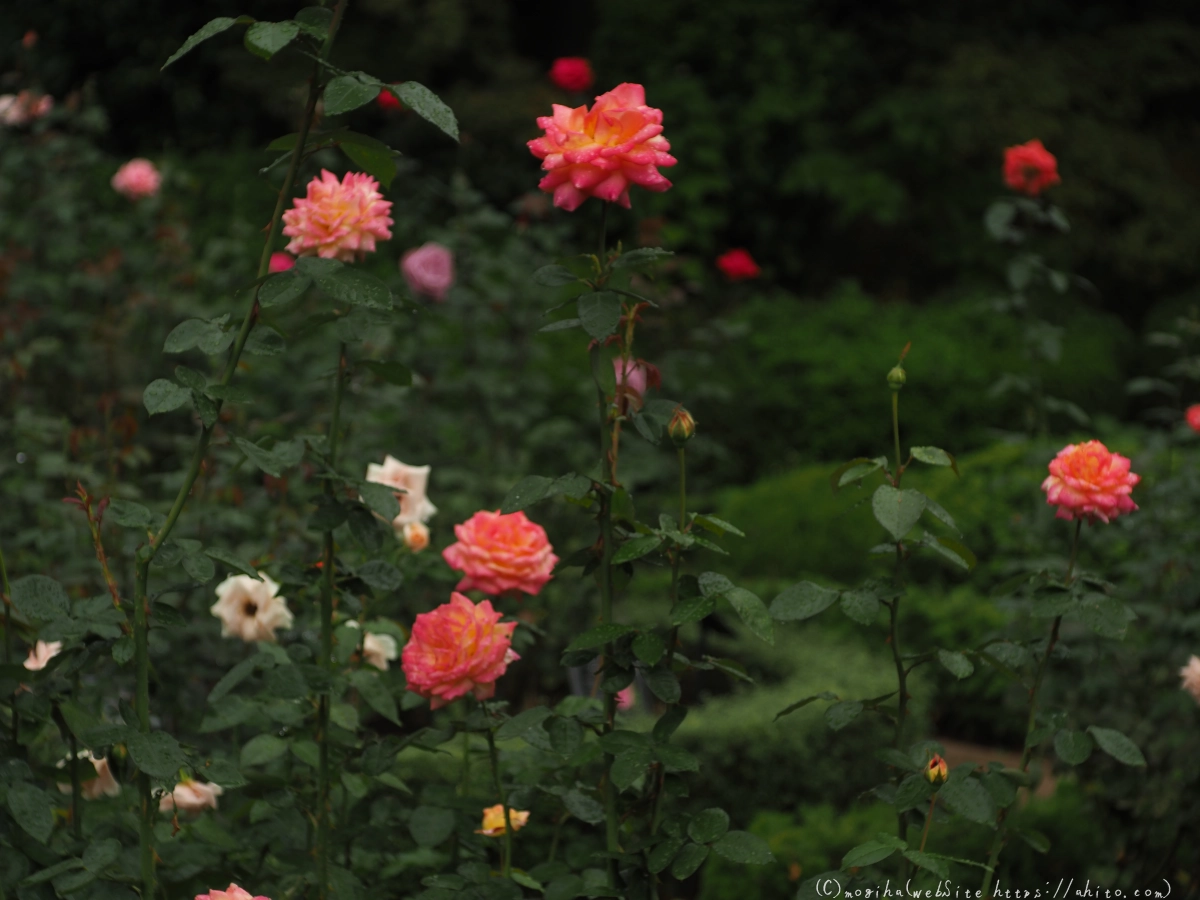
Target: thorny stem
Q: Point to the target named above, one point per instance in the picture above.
(324, 835)
(506, 862)
(1027, 754)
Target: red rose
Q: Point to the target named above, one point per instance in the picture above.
(572, 73)
(737, 265)
(388, 101)
(1030, 168)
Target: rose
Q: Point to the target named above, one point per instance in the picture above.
(103, 785)
(572, 73)
(602, 151)
(191, 797)
(338, 220)
(388, 101)
(1191, 677)
(411, 482)
(738, 265)
(459, 648)
(626, 698)
(936, 770)
(1193, 417)
(41, 654)
(1030, 168)
(416, 536)
(281, 262)
(1087, 481)
(136, 179)
(429, 269)
(633, 378)
(498, 553)
(250, 609)
(377, 649)
(494, 824)
(233, 892)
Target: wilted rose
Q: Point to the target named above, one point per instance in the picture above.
(498, 553)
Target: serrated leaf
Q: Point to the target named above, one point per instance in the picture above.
(40, 597)
(663, 684)
(599, 313)
(561, 325)
(630, 765)
(1116, 745)
(283, 456)
(930, 861)
(970, 799)
(430, 825)
(692, 609)
(372, 689)
(688, 860)
(643, 256)
(346, 92)
(262, 749)
(897, 510)
(1073, 747)
(934, 456)
(379, 162)
(426, 104)
(660, 857)
(265, 39)
(128, 514)
(855, 470)
(802, 601)
(381, 498)
(719, 527)
(211, 29)
(583, 807)
(380, 575)
(31, 808)
(200, 567)
(519, 724)
(162, 395)
(347, 284)
(936, 510)
(861, 605)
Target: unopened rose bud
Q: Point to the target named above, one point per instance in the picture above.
(936, 770)
(682, 426)
(896, 378)
(416, 536)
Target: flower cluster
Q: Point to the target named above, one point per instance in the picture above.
(338, 219)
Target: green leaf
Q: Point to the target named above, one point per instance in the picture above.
(660, 857)
(914, 793)
(1033, 838)
(265, 39)
(744, 847)
(212, 29)
(283, 456)
(190, 378)
(599, 313)
(381, 498)
(347, 92)
(676, 759)
(1073, 747)
(753, 612)
(934, 456)
(233, 561)
(519, 724)
(554, 276)
(53, 871)
(391, 372)
(799, 704)
(708, 825)
(583, 807)
(101, 854)
(430, 825)
(688, 860)
(370, 686)
(561, 325)
(199, 566)
(861, 605)
(894, 757)
(347, 284)
(663, 684)
(867, 854)
(265, 341)
(156, 753)
(636, 548)
(426, 104)
(380, 575)
(719, 527)
(1106, 616)
(930, 861)
(162, 396)
(951, 549)
(232, 679)
(32, 810)
(897, 510)
(970, 799)
(692, 609)
(128, 514)
(935, 510)
(261, 749)
(209, 337)
(281, 288)
(668, 722)
(379, 162)
(630, 765)
(649, 648)
(802, 601)
(40, 597)
(841, 714)
(643, 256)
(1116, 745)
(855, 470)
(598, 636)
(956, 663)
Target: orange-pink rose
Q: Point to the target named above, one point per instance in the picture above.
(233, 892)
(338, 219)
(459, 648)
(498, 553)
(1088, 481)
(602, 151)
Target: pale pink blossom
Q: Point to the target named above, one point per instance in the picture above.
(1191, 677)
(103, 785)
(190, 797)
(136, 179)
(338, 219)
(280, 262)
(41, 654)
(23, 108)
(461, 647)
(249, 609)
(602, 151)
(416, 536)
(1088, 481)
(429, 270)
(377, 649)
(233, 892)
(498, 553)
(410, 482)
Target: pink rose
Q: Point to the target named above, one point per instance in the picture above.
(1030, 168)
(602, 151)
(1191, 677)
(1087, 481)
(191, 797)
(498, 553)
(233, 892)
(738, 265)
(280, 262)
(136, 179)
(1193, 417)
(626, 698)
(338, 219)
(572, 73)
(634, 377)
(429, 270)
(459, 648)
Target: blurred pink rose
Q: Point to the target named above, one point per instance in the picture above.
(103, 785)
(233, 892)
(281, 262)
(1089, 482)
(1191, 677)
(41, 654)
(190, 797)
(498, 553)
(429, 270)
(338, 219)
(627, 698)
(1193, 417)
(634, 377)
(572, 73)
(136, 179)
(459, 648)
(249, 609)
(602, 151)
(411, 483)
